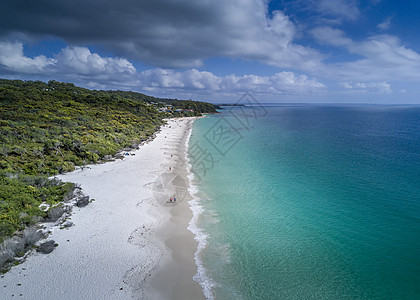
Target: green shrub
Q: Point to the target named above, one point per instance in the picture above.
(49, 128)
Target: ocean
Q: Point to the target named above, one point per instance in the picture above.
(307, 202)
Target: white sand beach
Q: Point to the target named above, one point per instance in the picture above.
(131, 242)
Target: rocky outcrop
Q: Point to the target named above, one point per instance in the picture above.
(47, 247)
(83, 201)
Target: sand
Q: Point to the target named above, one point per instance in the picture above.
(131, 242)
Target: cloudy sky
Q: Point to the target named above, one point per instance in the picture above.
(215, 50)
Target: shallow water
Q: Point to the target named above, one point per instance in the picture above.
(309, 202)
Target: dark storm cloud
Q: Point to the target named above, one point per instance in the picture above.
(182, 34)
(165, 33)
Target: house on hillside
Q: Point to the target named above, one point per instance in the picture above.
(184, 110)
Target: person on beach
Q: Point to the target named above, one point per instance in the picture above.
(170, 200)
(174, 199)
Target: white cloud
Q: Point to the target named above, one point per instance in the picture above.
(368, 87)
(386, 24)
(80, 60)
(77, 64)
(279, 83)
(343, 9)
(12, 59)
(331, 36)
(383, 57)
(189, 80)
(69, 63)
(167, 33)
(195, 80)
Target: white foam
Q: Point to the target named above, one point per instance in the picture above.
(199, 235)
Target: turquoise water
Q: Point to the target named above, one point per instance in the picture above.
(309, 202)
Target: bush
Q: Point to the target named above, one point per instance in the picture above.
(55, 213)
(49, 128)
(16, 246)
(31, 235)
(20, 197)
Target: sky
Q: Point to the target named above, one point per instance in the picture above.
(332, 51)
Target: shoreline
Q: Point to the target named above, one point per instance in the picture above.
(174, 278)
(125, 243)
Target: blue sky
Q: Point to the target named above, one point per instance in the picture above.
(279, 51)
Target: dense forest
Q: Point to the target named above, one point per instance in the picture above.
(49, 128)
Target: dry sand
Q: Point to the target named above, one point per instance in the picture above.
(129, 243)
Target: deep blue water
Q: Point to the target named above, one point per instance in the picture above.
(310, 202)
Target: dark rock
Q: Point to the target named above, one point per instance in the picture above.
(13, 245)
(5, 256)
(31, 235)
(70, 194)
(68, 223)
(47, 247)
(119, 156)
(55, 213)
(108, 157)
(83, 201)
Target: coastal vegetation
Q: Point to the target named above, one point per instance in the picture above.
(50, 128)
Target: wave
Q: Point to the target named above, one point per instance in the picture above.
(199, 235)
